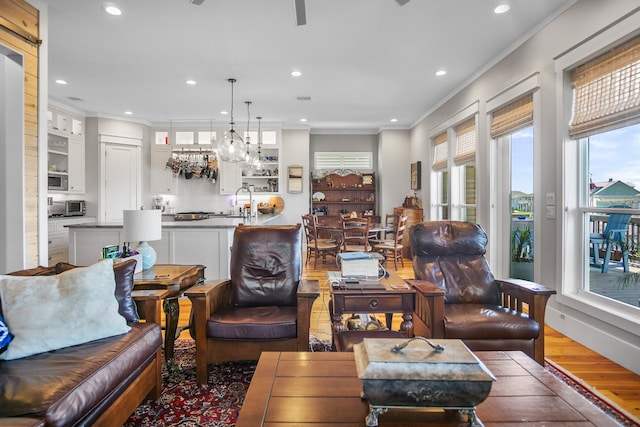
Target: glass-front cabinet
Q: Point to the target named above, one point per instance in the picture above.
(191, 153)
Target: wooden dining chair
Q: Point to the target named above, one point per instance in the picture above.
(390, 222)
(393, 248)
(316, 246)
(355, 234)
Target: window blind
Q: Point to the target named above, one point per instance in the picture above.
(606, 91)
(515, 115)
(466, 143)
(441, 152)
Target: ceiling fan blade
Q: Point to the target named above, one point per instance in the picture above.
(299, 10)
(402, 2)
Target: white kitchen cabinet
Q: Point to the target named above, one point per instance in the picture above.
(58, 237)
(57, 122)
(207, 246)
(76, 165)
(163, 180)
(66, 149)
(230, 177)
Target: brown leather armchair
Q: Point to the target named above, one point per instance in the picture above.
(459, 298)
(265, 306)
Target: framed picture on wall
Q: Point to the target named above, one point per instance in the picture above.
(415, 176)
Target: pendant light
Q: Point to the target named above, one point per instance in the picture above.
(258, 158)
(231, 147)
(250, 155)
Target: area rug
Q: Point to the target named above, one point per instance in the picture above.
(623, 417)
(185, 403)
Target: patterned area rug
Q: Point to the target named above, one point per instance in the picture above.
(620, 415)
(185, 403)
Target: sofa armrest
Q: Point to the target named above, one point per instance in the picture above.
(308, 292)
(428, 309)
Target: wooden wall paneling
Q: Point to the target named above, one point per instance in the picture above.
(17, 20)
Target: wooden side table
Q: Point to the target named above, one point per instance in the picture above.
(149, 303)
(175, 279)
(396, 297)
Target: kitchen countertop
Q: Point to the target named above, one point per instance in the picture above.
(217, 222)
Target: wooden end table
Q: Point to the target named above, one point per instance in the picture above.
(175, 279)
(396, 297)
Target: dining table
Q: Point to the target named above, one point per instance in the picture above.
(336, 231)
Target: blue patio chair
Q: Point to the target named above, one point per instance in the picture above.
(615, 234)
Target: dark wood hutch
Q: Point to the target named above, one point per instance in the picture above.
(343, 191)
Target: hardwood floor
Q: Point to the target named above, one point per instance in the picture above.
(611, 380)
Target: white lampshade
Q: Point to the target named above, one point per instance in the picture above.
(142, 225)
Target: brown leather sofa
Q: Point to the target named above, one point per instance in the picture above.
(458, 297)
(99, 383)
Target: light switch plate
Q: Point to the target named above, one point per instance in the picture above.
(551, 199)
(551, 212)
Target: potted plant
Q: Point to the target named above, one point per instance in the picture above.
(522, 252)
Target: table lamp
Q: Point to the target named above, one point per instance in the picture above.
(143, 226)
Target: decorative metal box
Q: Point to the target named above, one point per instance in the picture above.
(419, 373)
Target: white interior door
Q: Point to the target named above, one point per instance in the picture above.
(122, 181)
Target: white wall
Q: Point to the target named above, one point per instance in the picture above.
(394, 170)
(295, 151)
(536, 55)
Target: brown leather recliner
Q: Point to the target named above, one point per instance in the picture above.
(459, 298)
(265, 306)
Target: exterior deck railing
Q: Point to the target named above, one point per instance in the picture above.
(599, 222)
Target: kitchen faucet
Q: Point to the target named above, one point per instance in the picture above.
(250, 191)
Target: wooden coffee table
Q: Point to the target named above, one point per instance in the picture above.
(295, 389)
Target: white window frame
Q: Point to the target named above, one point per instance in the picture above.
(455, 197)
(342, 160)
(500, 177)
(574, 270)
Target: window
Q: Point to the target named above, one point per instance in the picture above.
(343, 160)
(440, 162)
(605, 121)
(453, 183)
(465, 168)
(512, 138)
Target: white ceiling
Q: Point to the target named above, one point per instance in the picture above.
(363, 62)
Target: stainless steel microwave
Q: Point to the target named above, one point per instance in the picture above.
(58, 182)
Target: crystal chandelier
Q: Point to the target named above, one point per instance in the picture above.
(231, 147)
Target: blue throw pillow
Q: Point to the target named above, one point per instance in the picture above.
(5, 335)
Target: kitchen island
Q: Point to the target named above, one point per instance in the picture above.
(206, 241)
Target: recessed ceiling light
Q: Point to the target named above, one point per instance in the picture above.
(128, 113)
(224, 113)
(303, 119)
(394, 120)
(296, 73)
(502, 8)
(112, 10)
(440, 73)
(61, 82)
(190, 82)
